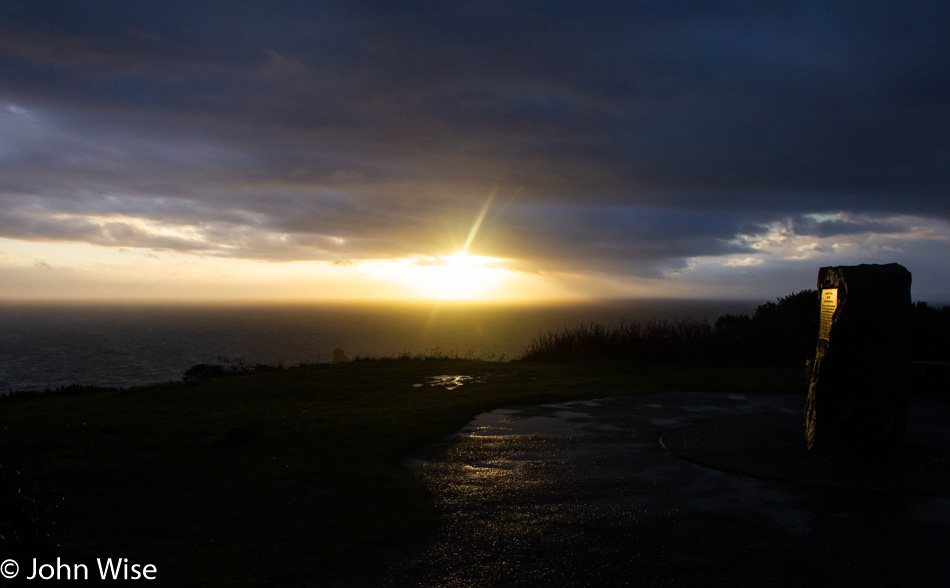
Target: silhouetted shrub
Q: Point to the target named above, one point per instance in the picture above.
(203, 371)
(929, 332)
(731, 334)
(229, 367)
(667, 341)
(784, 332)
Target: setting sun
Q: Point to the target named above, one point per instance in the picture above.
(452, 277)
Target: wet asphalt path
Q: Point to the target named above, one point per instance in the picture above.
(585, 494)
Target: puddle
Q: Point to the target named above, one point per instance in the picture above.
(503, 424)
(484, 423)
(449, 382)
(551, 426)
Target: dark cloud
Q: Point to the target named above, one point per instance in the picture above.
(629, 136)
(817, 227)
(627, 241)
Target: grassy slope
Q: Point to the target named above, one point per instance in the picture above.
(278, 474)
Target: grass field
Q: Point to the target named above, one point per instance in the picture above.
(275, 475)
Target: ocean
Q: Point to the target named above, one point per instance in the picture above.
(45, 346)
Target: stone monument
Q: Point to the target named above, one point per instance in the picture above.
(857, 396)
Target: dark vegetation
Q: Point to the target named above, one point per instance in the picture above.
(782, 333)
(227, 367)
(930, 332)
(255, 474)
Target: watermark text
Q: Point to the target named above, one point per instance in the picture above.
(106, 568)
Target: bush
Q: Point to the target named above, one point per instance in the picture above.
(778, 333)
(229, 367)
(784, 332)
(929, 332)
(203, 371)
(665, 341)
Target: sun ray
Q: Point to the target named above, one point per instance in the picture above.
(478, 221)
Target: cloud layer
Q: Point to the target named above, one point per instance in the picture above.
(634, 139)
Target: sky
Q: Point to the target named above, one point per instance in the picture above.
(489, 150)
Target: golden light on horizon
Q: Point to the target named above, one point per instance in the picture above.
(460, 276)
(79, 271)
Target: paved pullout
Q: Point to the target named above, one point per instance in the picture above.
(677, 489)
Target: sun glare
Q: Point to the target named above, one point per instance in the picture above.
(449, 277)
(457, 277)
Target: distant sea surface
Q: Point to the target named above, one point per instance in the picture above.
(50, 345)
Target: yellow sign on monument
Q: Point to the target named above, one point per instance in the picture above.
(829, 302)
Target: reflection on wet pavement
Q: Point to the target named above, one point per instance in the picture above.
(559, 423)
(583, 494)
(449, 382)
